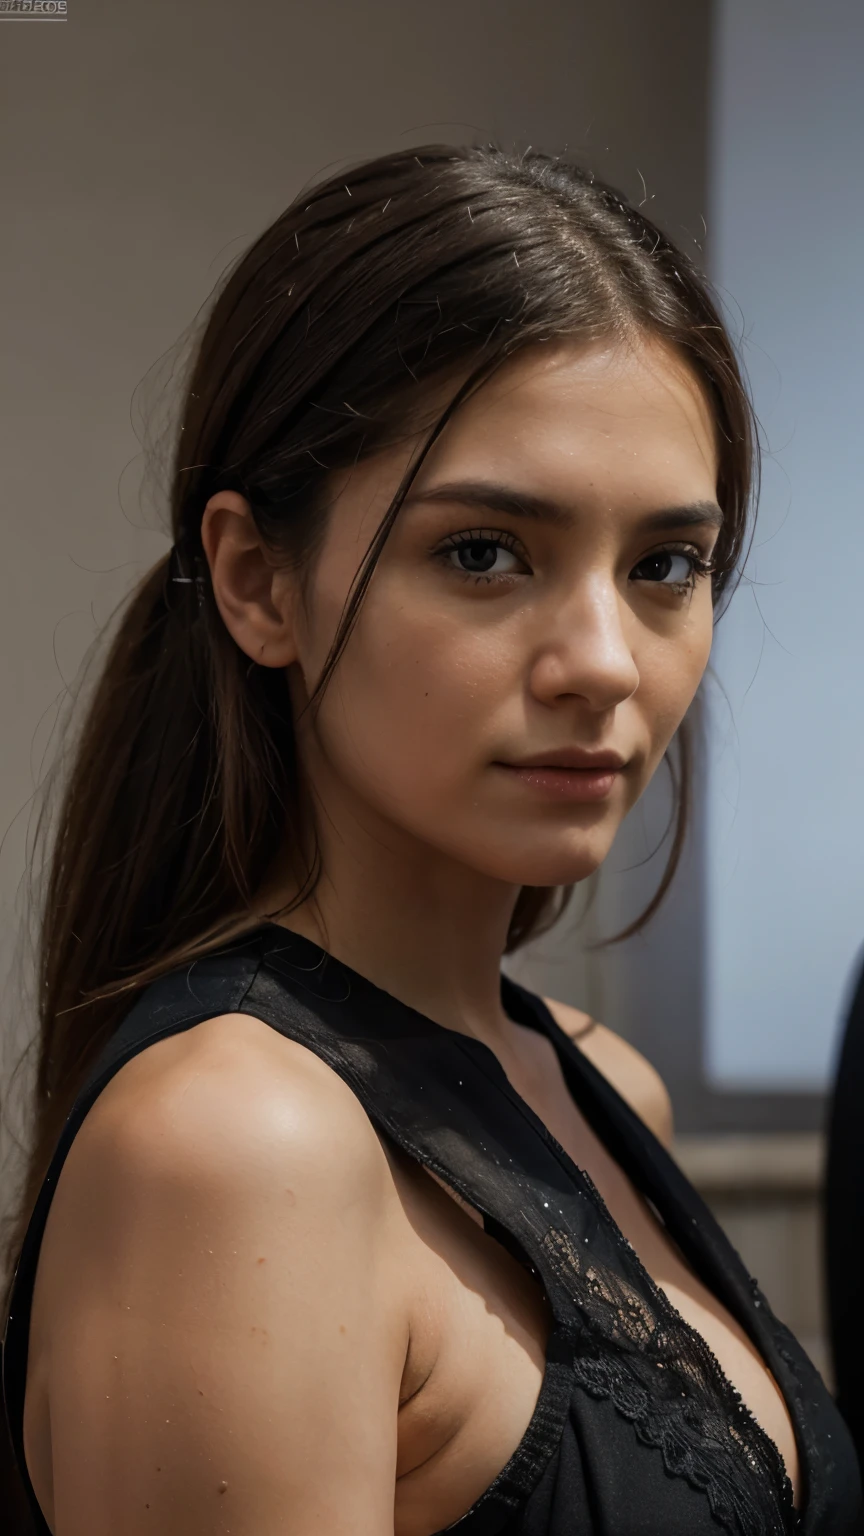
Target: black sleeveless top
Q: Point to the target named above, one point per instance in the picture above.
(636, 1431)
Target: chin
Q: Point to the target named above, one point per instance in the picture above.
(546, 866)
(569, 872)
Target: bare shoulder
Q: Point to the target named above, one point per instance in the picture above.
(225, 1103)
(625, 1067)
(225, 1133)
(218, 1262)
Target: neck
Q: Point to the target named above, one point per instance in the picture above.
(409, 919)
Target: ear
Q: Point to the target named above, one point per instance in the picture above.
(254, 594)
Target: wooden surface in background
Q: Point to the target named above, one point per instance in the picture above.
(766, 1192)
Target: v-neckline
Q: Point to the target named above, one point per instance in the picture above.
(641, 1158)
(656, 1176)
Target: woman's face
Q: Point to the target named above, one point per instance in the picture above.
(538, 622)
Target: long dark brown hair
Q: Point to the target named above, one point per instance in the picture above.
(322, 342)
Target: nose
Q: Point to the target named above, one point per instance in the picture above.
(585, 654)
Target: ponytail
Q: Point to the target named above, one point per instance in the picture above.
(175, 805)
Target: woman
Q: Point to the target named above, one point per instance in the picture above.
(329, 1228)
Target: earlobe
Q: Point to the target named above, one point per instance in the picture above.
(255, 595)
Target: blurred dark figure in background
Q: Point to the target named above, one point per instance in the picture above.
(844, 1220)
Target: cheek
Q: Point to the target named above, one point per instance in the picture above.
(671, 674)
(414, 700)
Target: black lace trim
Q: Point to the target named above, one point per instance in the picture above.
(661, 1375)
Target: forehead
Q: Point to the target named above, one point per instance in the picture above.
(596, 417)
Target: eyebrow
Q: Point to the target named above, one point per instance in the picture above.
(490, 497)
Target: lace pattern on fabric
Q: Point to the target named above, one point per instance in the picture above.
(636, 1350)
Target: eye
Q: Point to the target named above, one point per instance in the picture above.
(671, 568)
(482, 556)
(481, 553)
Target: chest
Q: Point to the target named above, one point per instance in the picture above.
(546, 1091)
(480, 1326)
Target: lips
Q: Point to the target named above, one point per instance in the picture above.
(574, 758)
(569, 774)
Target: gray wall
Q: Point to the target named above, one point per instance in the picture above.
(144, 145)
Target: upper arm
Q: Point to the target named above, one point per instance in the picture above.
(226, 1342)
(627, 1070)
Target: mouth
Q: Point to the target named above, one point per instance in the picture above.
(568, 774)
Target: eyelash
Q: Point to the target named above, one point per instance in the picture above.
(496, 536)
(699, 565)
